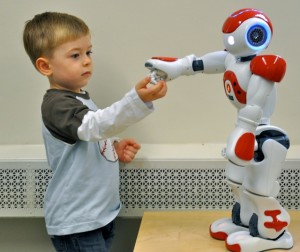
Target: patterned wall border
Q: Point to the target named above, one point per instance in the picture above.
(144, 186)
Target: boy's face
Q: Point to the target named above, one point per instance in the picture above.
(71, 65)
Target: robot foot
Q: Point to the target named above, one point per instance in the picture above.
(221, 228)
(242, 241)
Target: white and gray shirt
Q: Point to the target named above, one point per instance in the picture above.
(83, 193)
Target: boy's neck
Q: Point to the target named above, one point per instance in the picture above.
(57, 87)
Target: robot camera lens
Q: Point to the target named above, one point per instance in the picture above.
(257, 36)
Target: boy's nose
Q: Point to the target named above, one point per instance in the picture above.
(87, 60)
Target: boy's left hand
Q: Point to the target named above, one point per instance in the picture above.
(126, 149)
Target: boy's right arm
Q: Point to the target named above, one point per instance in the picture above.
(133, 107)
(69, 120)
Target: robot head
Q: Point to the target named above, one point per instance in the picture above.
(247, 32)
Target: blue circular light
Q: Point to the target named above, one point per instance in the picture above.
(258, 36)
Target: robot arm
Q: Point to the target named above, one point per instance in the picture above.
(164, 68)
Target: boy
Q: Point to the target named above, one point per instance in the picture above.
(82, 198)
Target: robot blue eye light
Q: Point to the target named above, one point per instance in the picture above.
(257, 36)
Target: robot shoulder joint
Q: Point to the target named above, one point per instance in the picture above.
(270, 67)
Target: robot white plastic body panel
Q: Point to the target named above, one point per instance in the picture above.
(255, 150)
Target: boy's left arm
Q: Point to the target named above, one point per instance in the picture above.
(126, 149)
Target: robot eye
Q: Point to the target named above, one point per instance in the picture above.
(258, 36)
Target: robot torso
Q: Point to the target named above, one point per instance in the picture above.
(236, 80)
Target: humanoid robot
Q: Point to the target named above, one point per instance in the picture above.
(255, 150)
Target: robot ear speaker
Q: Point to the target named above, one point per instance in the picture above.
(258, 36)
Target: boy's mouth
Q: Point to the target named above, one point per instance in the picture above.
(88, 73)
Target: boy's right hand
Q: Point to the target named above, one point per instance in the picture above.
(150, 93)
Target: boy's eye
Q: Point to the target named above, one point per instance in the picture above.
(75, 55)
(88, 53)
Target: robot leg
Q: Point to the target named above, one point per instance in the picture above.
(241, 211)
(267, 228)
(269, 222)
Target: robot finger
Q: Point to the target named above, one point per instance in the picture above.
(157, 75)
(153, 77)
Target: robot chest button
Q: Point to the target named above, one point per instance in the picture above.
(232, 87)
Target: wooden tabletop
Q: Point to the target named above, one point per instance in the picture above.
(188, 231)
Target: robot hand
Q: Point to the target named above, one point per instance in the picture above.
(164, 68)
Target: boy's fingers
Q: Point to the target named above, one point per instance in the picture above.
(144, 82)
(159, 87)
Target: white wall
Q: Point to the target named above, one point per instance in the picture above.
(125, 34)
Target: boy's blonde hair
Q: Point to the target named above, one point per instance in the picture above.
(48, 30)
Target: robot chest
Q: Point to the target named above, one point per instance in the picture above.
(235, 90)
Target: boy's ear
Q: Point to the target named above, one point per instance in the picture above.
(43, 66)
